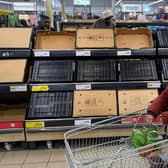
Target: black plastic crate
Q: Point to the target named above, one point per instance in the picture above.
(165, 68)
(138, 70)
(162, 36)
(96, 70)
(50, 105)
(53, 71)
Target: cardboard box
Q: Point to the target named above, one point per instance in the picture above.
(12, 70)
(95, 38)
(133, 100)
(134, 38)
(15, 37)
(70, 28)
(55, 40)
(13, 113)
(94, 103)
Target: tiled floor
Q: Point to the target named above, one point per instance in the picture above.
(39, 158)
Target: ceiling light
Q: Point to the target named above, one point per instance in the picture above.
(4, 2)
(118, 2)
(155, 2)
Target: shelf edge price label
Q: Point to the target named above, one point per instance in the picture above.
(43, 88)
(83, 87)
(19, 88)
(153, 85)
(82, 122)
(41, 53)
(35, 124)
(83, 53)
(124, 53)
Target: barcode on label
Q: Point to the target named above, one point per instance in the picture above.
(83, 53)
(18, 88)
(123, 53)
(153, 85)
(82, 122)
(41, 53)
(83, 87)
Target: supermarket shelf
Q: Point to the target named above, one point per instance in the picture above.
(147, 52)
(53, 133)
(15, 53)
(11, 130)
(118, 24)
(10, 88)
(94, 86)
(59, 124)
(140, 24)
(12, 135)
(75, 53)
(163, 52)
(165, 83)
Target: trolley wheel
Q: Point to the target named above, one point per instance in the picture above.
(49, 144)
(32, 145)
(8, 146)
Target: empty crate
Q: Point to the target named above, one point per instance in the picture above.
(12, 71)
(53, 71)
(96, 70)
(95, 38)
(15, 38)
(133, 100)
(94, 103)
(50, 105)
(162, 36)
(55, 40)
(134, 38)
(165, 68)
(137, 70)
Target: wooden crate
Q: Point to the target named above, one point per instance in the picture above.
(95, 38)
(134, 39)
(12, 70)
(15, 37)
(55, 40)
(94, 103)
(133, 100)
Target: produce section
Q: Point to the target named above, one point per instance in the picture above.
(72, 87)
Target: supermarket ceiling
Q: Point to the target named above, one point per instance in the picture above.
(162, 2)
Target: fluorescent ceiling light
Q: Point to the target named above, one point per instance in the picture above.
(118, 2)
(155, 2)
(4, 2)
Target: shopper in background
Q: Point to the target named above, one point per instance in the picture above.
(44, 25)
(106, 22)
(157, 107)
(23, 23)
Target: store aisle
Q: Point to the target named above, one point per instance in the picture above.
(39, 158)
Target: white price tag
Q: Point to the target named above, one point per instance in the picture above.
(18, 88)
(153, 85)
(83, 87)
(83, 122)
(124, 53)
(83, 53)
(41, 53)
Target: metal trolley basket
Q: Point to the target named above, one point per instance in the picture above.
(99, 146)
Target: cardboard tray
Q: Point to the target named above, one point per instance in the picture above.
(55, 40)
(94, 103)
(132, 100)
(95, 38)
(134, 39)
(72, 28)
(13, 113)
(12, 70)
(17, 38)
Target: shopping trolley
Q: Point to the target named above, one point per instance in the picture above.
(99, 146)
